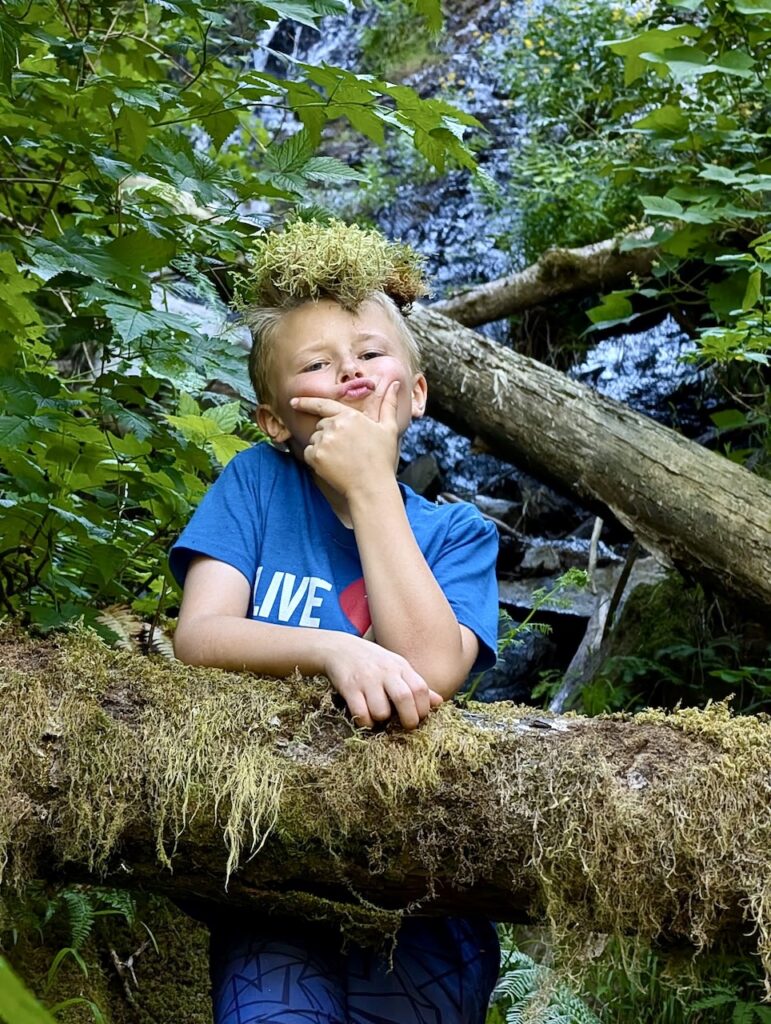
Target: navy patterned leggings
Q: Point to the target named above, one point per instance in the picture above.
(444, 970)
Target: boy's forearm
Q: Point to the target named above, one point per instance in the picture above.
(410, 613)
(239, 644)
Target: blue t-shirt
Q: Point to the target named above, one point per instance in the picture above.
(266, 517)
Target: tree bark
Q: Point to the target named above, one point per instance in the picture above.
(591, 268)
(142, 771)
(690, 507)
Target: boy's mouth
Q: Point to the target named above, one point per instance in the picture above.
(358, 388)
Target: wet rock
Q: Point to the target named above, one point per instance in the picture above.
(547, 556)
(511, 547)
(508, 512)
(544, 511)
(422, 475)
(517, 669)
(464, 472)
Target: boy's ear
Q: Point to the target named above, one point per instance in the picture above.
(419, 396)
(271, 424)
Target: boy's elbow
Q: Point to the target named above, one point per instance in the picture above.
(189, 643)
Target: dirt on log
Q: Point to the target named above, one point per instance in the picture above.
(598, 267)
(143, 771)
(692, 508)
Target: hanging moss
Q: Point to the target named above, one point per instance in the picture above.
(657, 825)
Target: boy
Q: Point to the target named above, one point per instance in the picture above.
(314, 558)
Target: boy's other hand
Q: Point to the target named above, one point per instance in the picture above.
(375, 683)
(348, 447)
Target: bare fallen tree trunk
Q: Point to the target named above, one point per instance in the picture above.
(121, 767)
(590, 268)
(688, 506)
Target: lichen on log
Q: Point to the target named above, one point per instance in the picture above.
(229, 787)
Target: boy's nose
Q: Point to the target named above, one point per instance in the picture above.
(349, 370)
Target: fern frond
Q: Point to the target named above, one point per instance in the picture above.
(115, 901)
(536, 997)
(131, 633)
(80, 914)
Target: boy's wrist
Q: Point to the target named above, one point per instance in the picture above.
(370, 497)
(332, 646)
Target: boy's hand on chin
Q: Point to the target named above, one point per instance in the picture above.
(348, 448)
(375, 683)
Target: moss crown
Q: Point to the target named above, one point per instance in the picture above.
(309, 260)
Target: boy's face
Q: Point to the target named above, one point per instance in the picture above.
(321, 350)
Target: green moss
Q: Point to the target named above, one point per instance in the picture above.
(657, 825)
(168, 977)
(310, 260)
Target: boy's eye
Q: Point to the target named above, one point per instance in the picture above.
(318, 365)
(371, 355)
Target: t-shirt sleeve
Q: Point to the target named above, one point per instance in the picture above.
(225, 525)
(465, 571)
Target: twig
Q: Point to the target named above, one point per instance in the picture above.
(631, 558)
(596, 531)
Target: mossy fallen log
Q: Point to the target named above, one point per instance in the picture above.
(598, 267)
(690, 507)
(142, 771)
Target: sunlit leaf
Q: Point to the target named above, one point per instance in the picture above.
(17, 1004)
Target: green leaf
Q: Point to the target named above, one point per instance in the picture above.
(225, 446)
(754, 289)
(17, 1004)
(614, 308)
(668, 121)
(661, 206)
(305, 13)
(140, 250)
(752, 7)
(225, 416)
(133, 127)
(654, 40)
(10, 33)
(17, 313)
(292, 154)
(729, 419)
(743, 1013)
(715, 172)
(132, 321)
(431, 10)
(728, 294)
(683, 62)
(194, 428)
(331, 171)
(221, 127)
(187, 405)
(71, 252)
(736, 62)
(14, 431)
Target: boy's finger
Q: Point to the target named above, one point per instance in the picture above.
(357, 706)
(379, 705)
(403, 700)
(435, 698)
(389, 403)
(318, 406)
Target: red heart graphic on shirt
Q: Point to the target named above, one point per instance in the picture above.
(353, 601)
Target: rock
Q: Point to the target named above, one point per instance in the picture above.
(517, 669)
(509, 512)
(522, 594)
(422, 474)
(546, 556)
